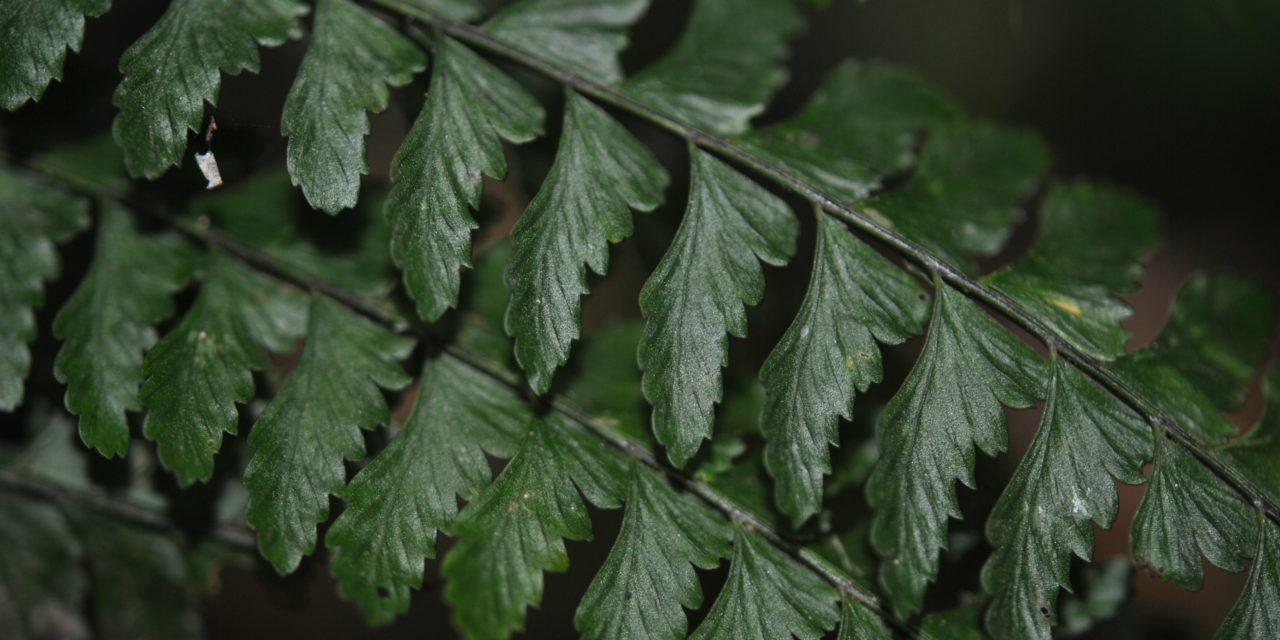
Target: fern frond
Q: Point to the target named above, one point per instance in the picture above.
(584, 36)
(855, 298)
(1090, 243)
(34, 38)
(600, 174)
(313, 424)
(33, 218)
(202, 368)
(108, 324)
(173, 69)
(951, 401)
(649, 575)
(471, 107)
(1061, 488)
(697, 293)
(767, 595)
(876, 152)
(708, 79)
(515, 528)
(352, 58)
(409, 491)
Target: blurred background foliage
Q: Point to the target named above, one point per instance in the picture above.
(1176, 99)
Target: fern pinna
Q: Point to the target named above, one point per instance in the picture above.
(188, 318)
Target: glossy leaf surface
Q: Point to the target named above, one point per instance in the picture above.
(601, 173)
(697, 294)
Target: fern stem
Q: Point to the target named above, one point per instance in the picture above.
(864, 222)
(235, 537)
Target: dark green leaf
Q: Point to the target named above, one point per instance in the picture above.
(950, 401)
(175, 67)
(711, 79)
(107, 324)
(410, 490)
(584, 36)
(42, 585)
(855, 297)
(1257, 613)
(768, 595)
(605, 382)
(1061, 488)
(965, 195)
(515, 528)
(141, 586)
(52, 452)
(471, 108)
(34, 217)
(351, 59)
(1091, 240)
(649, 575)
(203, 367)
(1188, 510)
(1171, 391)
(963, 622)
(600, 173)
(697, 294)
(1198, 367)
(858, 127)
(313, 424)
(1257, 453)
(1218, 332)
(34, 38)
(858, 622)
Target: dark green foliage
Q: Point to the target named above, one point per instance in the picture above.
(767, 595)
(858, 127)
(649, 574)
(696, 295)
(193, 308)
(1091, 240)
(172, 70)
(1256, 453)
(708, 79)
(34, 38)
(301, 440)
(600, 174)
(108, 324)
(409, 492)
(1188, 511)
(351, 59)
(1062, 487)
(583, 36)
(855, 298)
(471, 108)
(516, 527)
(949, 402)
(963, 198)
(203, 367)
(32, 219)
(1257, 612)
(43, 586)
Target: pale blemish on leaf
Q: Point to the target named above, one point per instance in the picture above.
(1069, 307)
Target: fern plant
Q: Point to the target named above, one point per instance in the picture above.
(186, 324)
